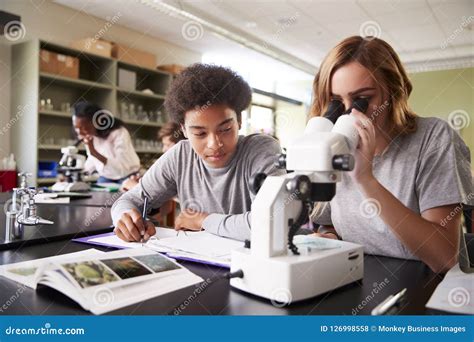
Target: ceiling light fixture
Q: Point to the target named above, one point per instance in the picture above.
(240, 38)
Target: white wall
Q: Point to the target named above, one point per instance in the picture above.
(4, 100)
(52, 22)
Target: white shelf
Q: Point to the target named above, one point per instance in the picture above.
(75, 81)
(55, 113)
(142, 123)
(137, 93)
(55, 147)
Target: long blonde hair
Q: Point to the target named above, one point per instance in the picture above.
(383, 63)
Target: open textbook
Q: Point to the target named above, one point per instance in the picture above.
(200, 246)
(101, 282)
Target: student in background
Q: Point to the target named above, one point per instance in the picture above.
(210, 172)
(411, 173)
(170, 134)
(108, 144)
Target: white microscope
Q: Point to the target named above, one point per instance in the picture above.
(72, 166)
(276, 267)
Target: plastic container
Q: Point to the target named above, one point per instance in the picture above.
(47, 169)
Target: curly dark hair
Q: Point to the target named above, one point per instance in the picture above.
(205, 85)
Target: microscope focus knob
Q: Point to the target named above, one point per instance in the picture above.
(300, 186)
(256, 182)
(281, 161)
(343, 162)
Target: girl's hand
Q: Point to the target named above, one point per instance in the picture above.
(189, 219)
(365, 151)
(88, 140)
(327, 235)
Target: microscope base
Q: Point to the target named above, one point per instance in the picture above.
(290, 278)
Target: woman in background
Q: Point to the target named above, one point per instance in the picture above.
(108, 144)
(411, 173)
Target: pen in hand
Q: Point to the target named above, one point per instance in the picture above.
(145, 205)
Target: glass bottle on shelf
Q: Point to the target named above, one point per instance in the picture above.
(42, 104)
(49, 104)
(151, 116)
(141, 114)
(124, 113)
(65, 107)
(159, 116)
(132, 112)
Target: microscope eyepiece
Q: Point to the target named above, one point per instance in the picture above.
(360, 104)
(334, 111)
(336, 108)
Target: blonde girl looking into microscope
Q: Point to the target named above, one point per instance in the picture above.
(410, 174)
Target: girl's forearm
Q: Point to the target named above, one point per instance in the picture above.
(431, 242)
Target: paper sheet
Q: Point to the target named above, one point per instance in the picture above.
(45, 198)
(315, 243)
(199, 243)
(204, 244)
(455, 293)
(114, 241)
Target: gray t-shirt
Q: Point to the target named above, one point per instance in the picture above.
(224, 192)
(425, 169)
